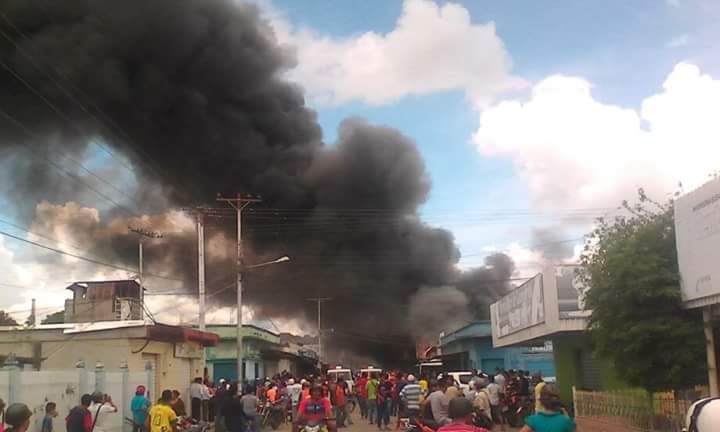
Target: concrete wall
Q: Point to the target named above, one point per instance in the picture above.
(62, 352)
(64, 387)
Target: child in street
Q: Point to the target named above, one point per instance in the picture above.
(50, 414)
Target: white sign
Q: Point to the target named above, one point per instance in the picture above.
(524, 307)
(697, 231)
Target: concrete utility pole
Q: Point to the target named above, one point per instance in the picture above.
(143, 233)
(201, 271)
(239, 203)
(319, 301)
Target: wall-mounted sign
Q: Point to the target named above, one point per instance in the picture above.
(188, 350)
(524, 307)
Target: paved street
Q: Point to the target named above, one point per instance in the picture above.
(363, 426)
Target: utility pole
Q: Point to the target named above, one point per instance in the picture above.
(143, 233)
(239, 203)
(33, 317)
(319, 301)
(201, 270)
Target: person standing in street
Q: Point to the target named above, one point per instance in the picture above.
(539, 384)
(178, 404)
(79, 419)
(411, 396)
(552, 416)
(196, 396)
(139, 405)
(294, 390)
(50, 414)
(372, 388)
(249, 403)
(17, 416)
(439, 403)
(493, 390)
(361, 388)
(101, 410)
(346, 392)
(162, 417)
(384, 402)
(461, 412)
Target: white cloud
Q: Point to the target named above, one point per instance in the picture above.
(678, 41)
(576, 152)
(432, 48)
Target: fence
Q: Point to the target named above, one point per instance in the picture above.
(65, 387)
(629, 410)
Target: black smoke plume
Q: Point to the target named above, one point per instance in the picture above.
(188, 96)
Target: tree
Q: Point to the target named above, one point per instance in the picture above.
(6, 319)
(54, 318)
(637, 321)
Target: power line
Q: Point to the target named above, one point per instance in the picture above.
(83, 258)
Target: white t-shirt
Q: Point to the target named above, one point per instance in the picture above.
(104, 420)
(293, 392)
(500, 380)
(494, 393)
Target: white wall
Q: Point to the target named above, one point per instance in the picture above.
(64, 387)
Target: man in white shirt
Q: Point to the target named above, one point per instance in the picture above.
(196, 397)
(500, 380)
(293, 391)
(493, 391)
(101, 410)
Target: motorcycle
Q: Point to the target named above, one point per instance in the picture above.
(518, 408)
(273, 413)
(314, 426)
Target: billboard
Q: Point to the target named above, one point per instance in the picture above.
(524, 307)
(697, 231)
(571, 291)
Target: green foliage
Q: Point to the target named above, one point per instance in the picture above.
(54, 318)
(6, 319)
(637, 319)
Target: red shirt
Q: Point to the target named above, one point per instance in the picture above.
(362, 386)
(340, 396)
(315, 410)
(460, 427)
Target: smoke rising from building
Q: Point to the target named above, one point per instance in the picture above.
(189, 98)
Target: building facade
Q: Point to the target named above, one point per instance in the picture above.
(550, 307)
(174, 354)
(472, 346)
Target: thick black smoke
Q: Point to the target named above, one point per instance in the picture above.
(190, 92)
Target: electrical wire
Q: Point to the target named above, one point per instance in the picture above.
(84, 258)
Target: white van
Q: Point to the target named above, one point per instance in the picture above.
(462, 379)
(340, 372)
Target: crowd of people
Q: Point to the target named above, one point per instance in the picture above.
(440, 403)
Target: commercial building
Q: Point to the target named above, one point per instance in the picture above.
(471, 347)
(550, 307)
(173, 353)
(264, 354)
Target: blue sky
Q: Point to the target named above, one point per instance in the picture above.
(625, 49)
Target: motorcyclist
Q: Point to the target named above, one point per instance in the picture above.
(316, 409)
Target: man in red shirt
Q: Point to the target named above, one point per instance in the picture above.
(361, 387)
(460, 411)
(315, 409)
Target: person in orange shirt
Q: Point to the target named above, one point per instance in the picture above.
(305, 391)
(272, 393)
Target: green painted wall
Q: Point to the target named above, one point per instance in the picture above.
(568, 349)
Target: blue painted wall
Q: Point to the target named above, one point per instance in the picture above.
(476, 340)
